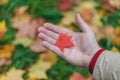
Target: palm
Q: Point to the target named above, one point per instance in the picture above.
(80, 53)
(84, 43)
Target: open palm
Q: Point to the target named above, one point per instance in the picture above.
(85, 44)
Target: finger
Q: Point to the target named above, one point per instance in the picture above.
(46, 38)
(48, 33)
(52, 48)
(56, 28)
(82, 25)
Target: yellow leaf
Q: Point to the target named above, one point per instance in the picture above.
(117, 30)
(117, 36)
(3, 26)
(32, 79)
(26, 41)
(3, 2)
(49, 56)
(38, 70)
(38, 75)
(114, 49)
(3, 29)
(13, 74)
(6, 51)
(68, 18)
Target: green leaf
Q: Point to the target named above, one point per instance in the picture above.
(111, 18)
(10, 34)
(62, 70)
(23, 58)
(106, 43)
(46, 9)
(51, 16)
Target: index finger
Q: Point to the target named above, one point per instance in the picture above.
(56, 28)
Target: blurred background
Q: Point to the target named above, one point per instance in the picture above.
(22, 57)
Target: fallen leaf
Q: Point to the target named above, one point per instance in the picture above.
(3, 28)
(24, 24)
(3, 2)
(87, 4)
(26, 41)
(64, 41)
(97, 17)
(108, 31)
(86, 14)
(65, 5)
(87, 10)
(49, 56)
(116, 39)
(40, 21)
(29, 29)
(37, 46)
(68, 18)
(20, 10)
(32, 79)
(106, 5)
(35, 24)
(6, 51)
(32, 30)
(4, 61)
(13, 74)
(97, 30)
(77, 2)
(20, 18)
(115, 50)
(38, 70)
(115, 3)
(89, 78)
(76, 76)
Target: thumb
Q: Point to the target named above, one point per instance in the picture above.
(82, 25)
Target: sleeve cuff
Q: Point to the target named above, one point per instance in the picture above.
(94, 59)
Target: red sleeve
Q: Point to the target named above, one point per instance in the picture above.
(94, 59)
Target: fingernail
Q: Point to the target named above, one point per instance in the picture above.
(39, 29)
(39, 35)
(46, 24)
(78, 14)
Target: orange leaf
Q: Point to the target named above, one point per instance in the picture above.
(6, 51)
(76, 76)
(3, 29)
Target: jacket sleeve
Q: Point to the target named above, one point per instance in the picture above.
(107, 67)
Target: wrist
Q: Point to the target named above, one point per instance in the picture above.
(94, 59)
(88, 58)
(94, 51)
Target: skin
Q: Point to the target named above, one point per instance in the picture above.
(85, 42)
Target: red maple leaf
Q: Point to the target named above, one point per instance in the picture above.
(65, 5)
(64, 41)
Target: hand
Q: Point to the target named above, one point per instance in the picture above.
(85, 44)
